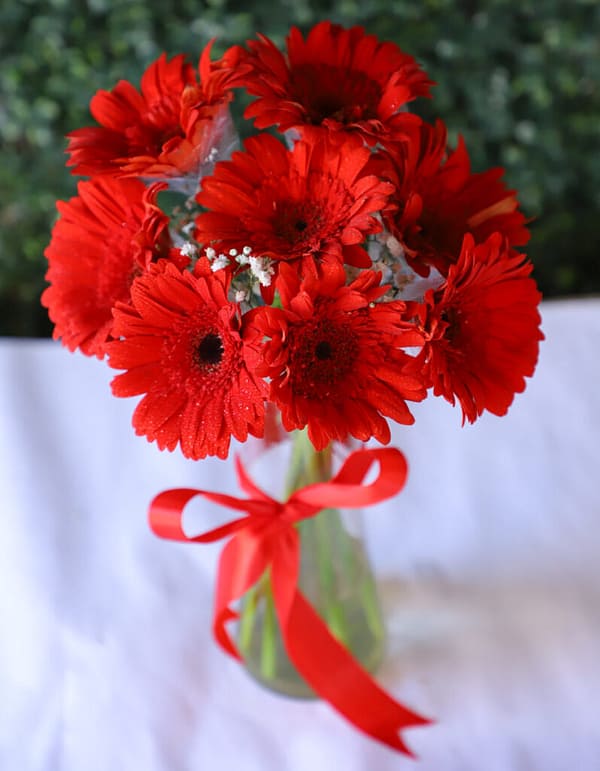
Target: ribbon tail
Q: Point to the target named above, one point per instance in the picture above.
(241, 564)
(339, 679)
(222, 636)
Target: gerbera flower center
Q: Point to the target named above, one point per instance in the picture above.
(438, 232)
(200, 354)
(296, 223)
(459, 329)
(149, 139)
(327, 92)
(322, 356)
(210, 351)
(323, 350)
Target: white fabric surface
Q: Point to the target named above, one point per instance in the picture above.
(488, 564)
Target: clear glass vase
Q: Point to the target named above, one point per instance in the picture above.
(335, 574)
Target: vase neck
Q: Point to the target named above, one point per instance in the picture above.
(307, 466)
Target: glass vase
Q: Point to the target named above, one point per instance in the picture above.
(335, 574)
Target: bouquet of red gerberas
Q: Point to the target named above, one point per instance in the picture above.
(329, 271)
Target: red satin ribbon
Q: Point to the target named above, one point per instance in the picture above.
(266, 538)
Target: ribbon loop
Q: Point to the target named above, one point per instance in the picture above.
(346, 489)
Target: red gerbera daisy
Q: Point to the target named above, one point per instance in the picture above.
(333, 356)
(181, 345)
(438, 200)
(112, 230)
(341, 79)
(312, 205)
(482, 327)
(169, 129)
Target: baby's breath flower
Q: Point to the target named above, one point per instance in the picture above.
(188, 249)
(220, 262)
(261, 268)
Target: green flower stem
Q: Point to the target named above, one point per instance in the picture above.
(248, 615)
(335, 577)
(333, 609)
(268, 652)
(308, 467)
(368, 595)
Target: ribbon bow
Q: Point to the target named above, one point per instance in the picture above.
(265, 538)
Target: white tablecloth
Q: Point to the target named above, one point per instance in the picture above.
(488, 564)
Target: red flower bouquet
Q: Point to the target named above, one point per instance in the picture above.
(313, 282)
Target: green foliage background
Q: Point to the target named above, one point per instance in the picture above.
(520, 80)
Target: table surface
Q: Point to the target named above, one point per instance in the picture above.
(487, 564)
